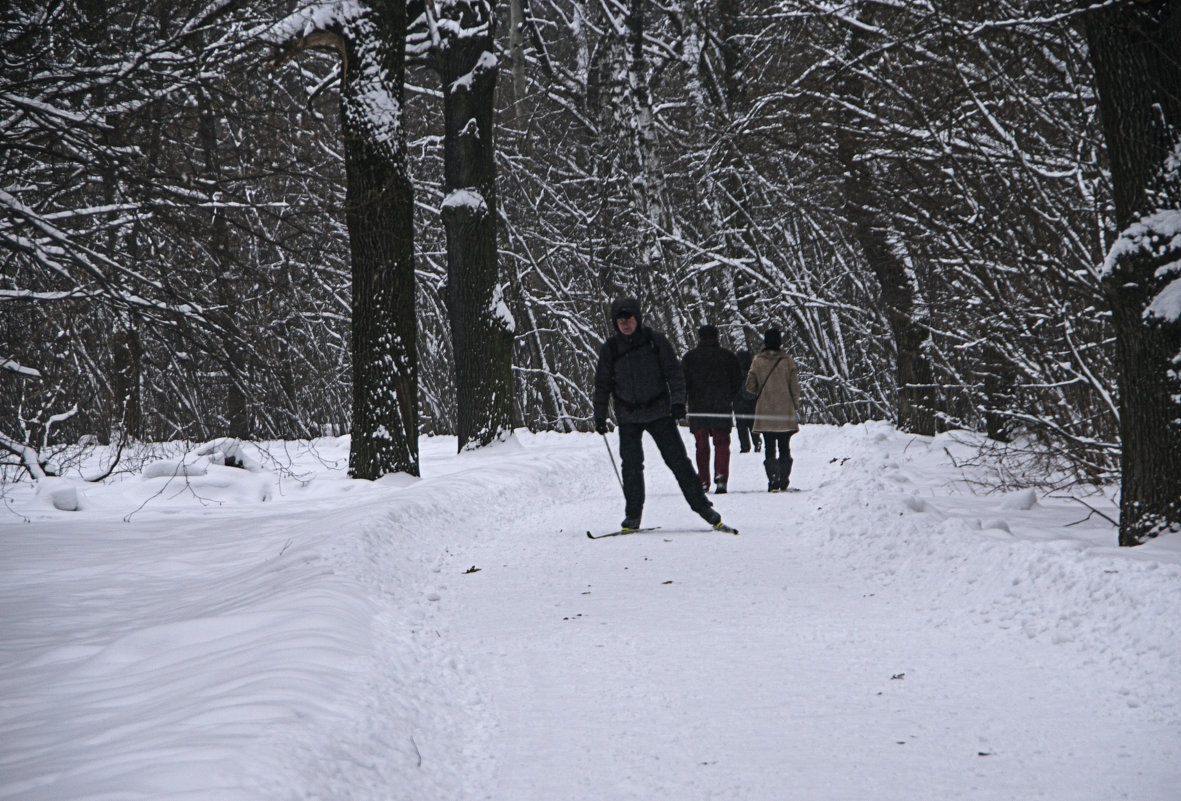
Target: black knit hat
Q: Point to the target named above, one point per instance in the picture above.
(708, 334)
(773, 339)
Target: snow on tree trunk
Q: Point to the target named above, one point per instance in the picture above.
(481, 325)
(647, 178)
(127, 379)
(516, 49)
(1136, 54)
(379, 208)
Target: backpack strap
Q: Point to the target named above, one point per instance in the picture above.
(613, 345)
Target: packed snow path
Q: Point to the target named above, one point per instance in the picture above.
(799, 659)
(891, 631)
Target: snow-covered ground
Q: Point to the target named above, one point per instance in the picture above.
(894, 630)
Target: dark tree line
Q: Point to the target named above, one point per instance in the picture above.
(924, 195)
(155, 230)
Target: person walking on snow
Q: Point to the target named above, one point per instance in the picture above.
(712, 378)
(744, 408)
(775, 379)
(638, 370)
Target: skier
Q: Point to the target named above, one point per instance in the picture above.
(712, 378)
(775, 379)
(638, 370)
(744, 409)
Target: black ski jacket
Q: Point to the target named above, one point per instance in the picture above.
(641, 375)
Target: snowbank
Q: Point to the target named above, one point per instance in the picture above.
(199, 630)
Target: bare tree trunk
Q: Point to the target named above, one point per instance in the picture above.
(385, 365)
(721, 185)
(647, 179)
(233, 361)
(734, 89)
(127, 359)
(481, 325)
(379, 214)
(516, 54)
(917, 402)
(999, 380)
(1136, 53)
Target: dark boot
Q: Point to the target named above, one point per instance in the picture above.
(785, 463)
(772, 470)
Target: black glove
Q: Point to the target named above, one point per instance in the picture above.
(678, 411)
(600, 426)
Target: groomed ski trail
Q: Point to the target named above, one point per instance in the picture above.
(791, 662)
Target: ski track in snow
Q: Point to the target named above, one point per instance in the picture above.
(884, 633)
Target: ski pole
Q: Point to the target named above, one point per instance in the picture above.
(618, 477)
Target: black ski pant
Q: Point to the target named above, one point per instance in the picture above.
(778, 466)
(672, 448)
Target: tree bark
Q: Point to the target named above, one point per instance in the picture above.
(233, 361)
(1136, 54)
(379, 211)
(126, 380)
(516, 51)
(379, 215)
(917, 401)
(384, 328)
(729, 30)
(647, 179)
(481, 325)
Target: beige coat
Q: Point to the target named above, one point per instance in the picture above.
(779, 395)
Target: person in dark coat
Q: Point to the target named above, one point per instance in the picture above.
(639, 373)
(712, 377)
(744, 409)
(775, 380)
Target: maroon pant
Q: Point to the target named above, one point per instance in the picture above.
(721, 442)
